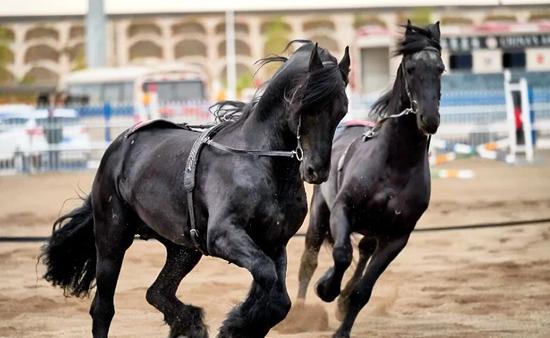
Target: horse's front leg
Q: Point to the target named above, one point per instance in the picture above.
(328, 287)
(257, 314)
(384, 254)
(232, 243)
(261, 310)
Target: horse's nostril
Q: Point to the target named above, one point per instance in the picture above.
(311, 172)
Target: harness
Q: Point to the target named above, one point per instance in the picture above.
(205, 139)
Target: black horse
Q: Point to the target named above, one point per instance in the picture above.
(379, 183)
(246, 206)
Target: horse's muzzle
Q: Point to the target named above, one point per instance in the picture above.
(314, 176)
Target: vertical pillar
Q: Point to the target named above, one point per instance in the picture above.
(95, 34)
(230, 54)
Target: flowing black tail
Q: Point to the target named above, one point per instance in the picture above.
(70, 254)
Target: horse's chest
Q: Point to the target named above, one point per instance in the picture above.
(280, 214)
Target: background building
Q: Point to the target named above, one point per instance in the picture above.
(39, 46)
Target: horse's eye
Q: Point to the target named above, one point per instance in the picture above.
(410, 69)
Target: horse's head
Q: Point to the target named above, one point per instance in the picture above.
(317, 104)
(421, 69)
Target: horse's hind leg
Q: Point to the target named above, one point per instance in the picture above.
(184, 320)
(316, 233)
(113, 235)
(366, 247)
(384, 254)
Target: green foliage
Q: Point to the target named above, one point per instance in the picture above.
(276, 34)
(79, 61)
(6, 56)
(244, 81)
(27, 80)
(420, 16)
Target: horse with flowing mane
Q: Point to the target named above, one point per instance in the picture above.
(379, 182)
(248, 198)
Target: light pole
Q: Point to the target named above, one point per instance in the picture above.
(230, 54)
(96, 23)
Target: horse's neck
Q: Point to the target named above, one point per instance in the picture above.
(267, 127)
(405, 145)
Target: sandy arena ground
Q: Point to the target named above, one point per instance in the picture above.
(477, 283)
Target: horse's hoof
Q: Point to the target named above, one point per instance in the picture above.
(325, 290)
(339, 334)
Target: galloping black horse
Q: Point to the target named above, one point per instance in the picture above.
(379, 183)
(246, 206)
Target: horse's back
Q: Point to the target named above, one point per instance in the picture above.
(147, 169)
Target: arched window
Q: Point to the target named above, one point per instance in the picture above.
(319, 24)
(143, 28)
(6, 76)
(190, 48)
(241, 48)
(41, 76)
(76, 32)
(326, 42)
(145, 49)
(41, 33)
(188, 28)
(239, 28)
(41, 52)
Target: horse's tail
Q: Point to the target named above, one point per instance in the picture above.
(70, 253)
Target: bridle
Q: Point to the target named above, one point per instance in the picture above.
(412, 109)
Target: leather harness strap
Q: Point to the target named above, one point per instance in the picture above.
(189, 179)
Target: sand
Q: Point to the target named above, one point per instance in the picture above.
(477, 283)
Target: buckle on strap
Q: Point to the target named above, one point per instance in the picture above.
(299, 152)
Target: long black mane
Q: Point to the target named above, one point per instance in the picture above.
(306, 91)
(415, 39)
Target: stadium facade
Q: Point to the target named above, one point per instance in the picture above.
(476, 39)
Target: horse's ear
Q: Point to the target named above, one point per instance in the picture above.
(344, 64)
(436, 32)
(408, 26)
(314, 60)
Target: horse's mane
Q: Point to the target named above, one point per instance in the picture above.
(315, 88)
(415, 39)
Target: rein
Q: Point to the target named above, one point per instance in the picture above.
(297, 153)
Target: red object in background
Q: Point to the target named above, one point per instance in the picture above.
(517, 115)
(36, 131)
(540, 59)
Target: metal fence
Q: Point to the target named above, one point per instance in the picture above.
(75, 138)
